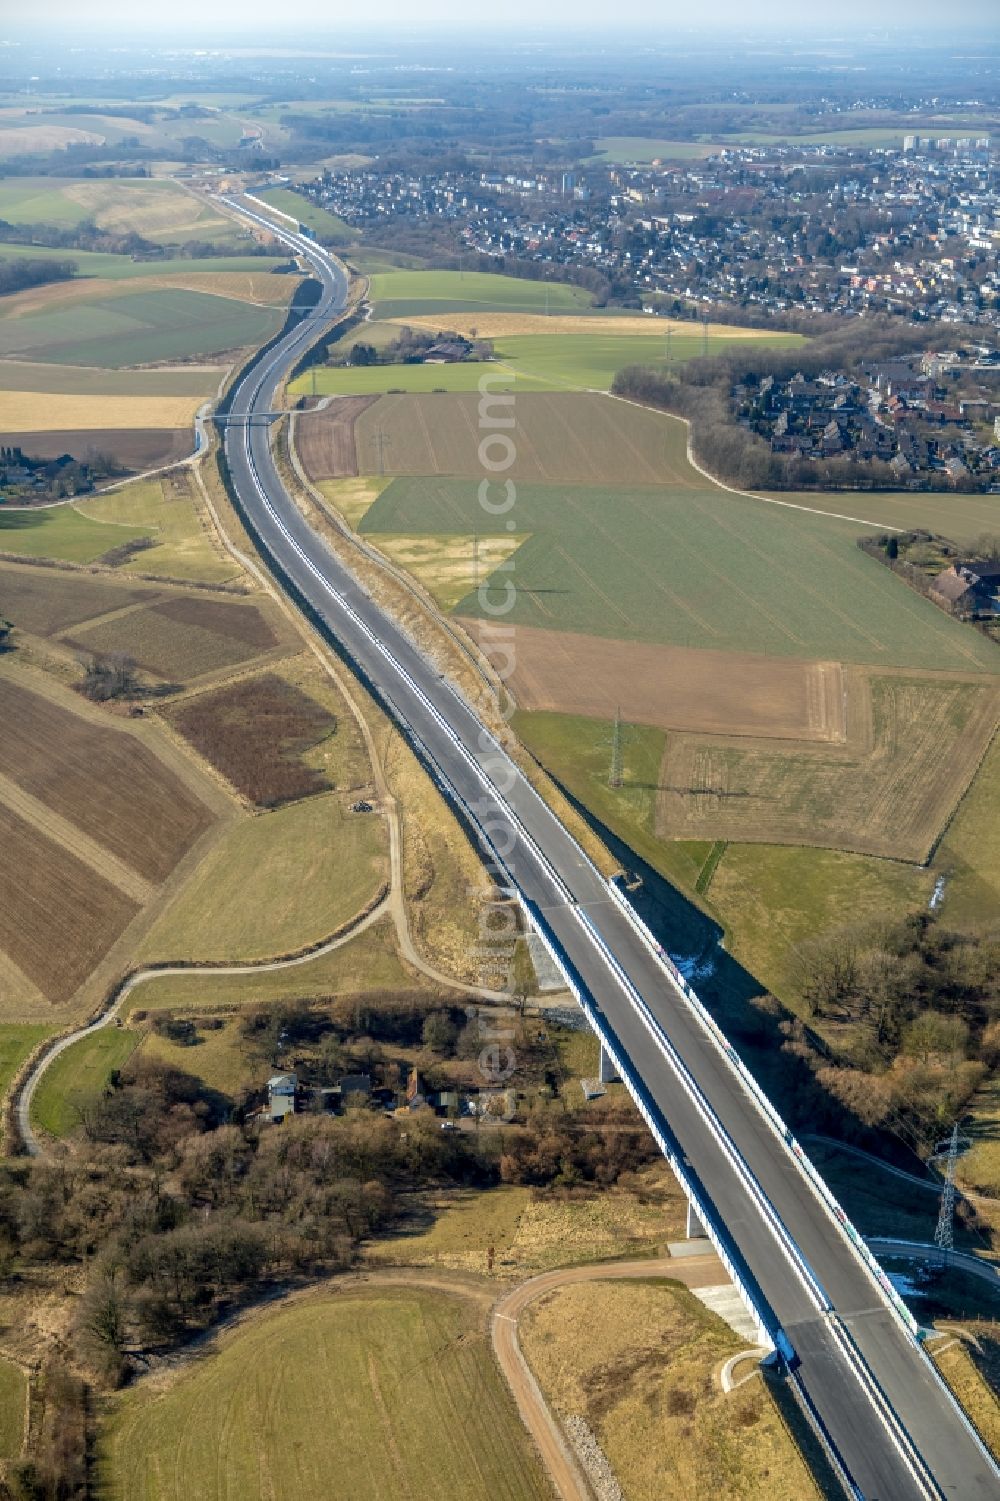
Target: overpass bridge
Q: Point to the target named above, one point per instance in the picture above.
(890, 1427)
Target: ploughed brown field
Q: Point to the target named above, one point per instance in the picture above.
(255, 733)
(45, 601)
(182, 636)
(172, 634)
(325, 439)
(58, 917)
(560, 438)
(101, 779)
(134, 448)
(674, 687)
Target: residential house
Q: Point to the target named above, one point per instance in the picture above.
(416, 1095)
(281, 1090)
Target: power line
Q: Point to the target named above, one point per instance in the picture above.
(382, 442)
(944, 1233)
(615, 775)
(618, 739)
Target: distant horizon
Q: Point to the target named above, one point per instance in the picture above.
(565, 20)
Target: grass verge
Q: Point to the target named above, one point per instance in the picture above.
(13, 1402)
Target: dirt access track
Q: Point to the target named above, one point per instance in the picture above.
(559, 1460)
(675, 687)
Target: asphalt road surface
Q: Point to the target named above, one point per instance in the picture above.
(889, 1420)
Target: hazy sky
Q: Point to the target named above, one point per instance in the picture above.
(660, 15)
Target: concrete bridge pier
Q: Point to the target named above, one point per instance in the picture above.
(695, 1229)
(607, 1069)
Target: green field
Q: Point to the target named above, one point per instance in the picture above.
(327, 226)
(391, 1390)
(864, 138)
(61, 532)
(560, 437)
(963, 518)
(17, 1041)
(769, 898)
(643, 150)
(694, 567)
(367, 261)
(154, 207)
(275, 884)
(593, 360)
(166, 510)
(374, 380)
(160, 135)
(94, 263)
(70, 380)
(539, 362)
(13, 1409)
(403, 294)
(78, 1078)
(137, 328)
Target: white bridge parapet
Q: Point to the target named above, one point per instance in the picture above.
(813, 1178)
(269, 208)
(767, 1333)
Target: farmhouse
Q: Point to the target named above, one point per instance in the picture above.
(969, 588)
(447, 352)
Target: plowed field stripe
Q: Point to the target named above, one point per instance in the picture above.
(66, 834)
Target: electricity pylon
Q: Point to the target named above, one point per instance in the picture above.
(381, 444)
(944, 1233)
(618, 740)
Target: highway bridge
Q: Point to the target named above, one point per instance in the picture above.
(890, 1427)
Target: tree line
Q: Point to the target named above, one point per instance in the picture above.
(18, 273)
(921, 1004)
(89, 236)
